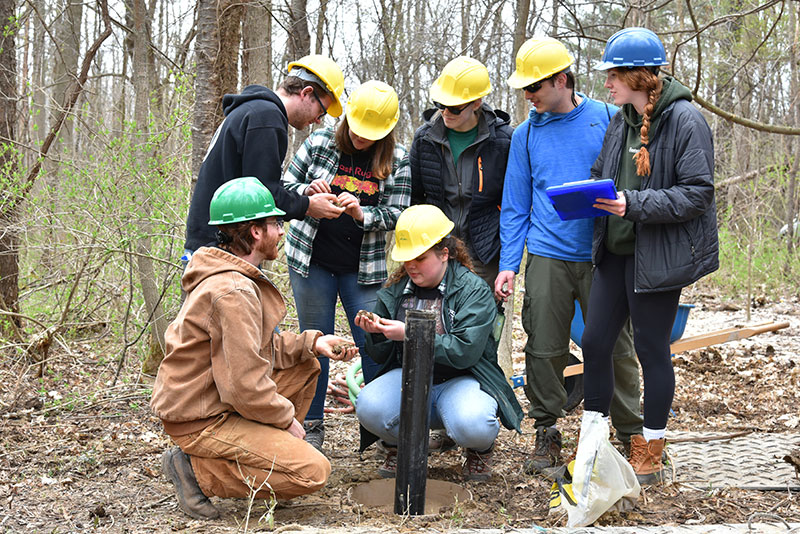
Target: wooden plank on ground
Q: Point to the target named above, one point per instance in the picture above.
(705, 340)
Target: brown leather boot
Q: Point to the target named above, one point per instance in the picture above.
(646, 459)
(191, 499)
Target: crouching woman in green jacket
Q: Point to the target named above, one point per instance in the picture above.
(469, 389)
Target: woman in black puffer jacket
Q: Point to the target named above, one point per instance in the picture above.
(660, 237)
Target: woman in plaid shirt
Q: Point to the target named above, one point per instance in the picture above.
(345, 258)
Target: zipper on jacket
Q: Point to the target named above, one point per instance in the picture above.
(689, 237)
(480, 175)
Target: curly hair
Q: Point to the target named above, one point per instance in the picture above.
(236, 237)
(456, 249)
(647, 80)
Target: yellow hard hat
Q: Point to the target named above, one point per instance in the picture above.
(462, 80)
(372, 110)
(325, 72)
(539, 58)
(418, 229)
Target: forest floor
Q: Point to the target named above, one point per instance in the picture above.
(80, 452)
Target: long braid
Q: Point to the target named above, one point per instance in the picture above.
(642, 157)
(643, 79)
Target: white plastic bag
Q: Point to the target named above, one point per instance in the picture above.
(602, 478)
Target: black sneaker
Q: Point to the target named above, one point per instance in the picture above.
(547, 451)
(315, 433)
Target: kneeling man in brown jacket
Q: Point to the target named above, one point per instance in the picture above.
(232, 391)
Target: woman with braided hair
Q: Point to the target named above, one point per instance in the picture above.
(660, 234)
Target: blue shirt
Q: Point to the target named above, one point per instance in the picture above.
(549, 149)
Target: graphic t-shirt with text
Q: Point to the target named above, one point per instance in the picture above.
(337, 244)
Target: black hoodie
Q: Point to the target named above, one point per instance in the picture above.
(251, 141)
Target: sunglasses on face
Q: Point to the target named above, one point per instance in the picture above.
(532, 88)
(454, 110)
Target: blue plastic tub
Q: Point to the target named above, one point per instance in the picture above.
(576, 328)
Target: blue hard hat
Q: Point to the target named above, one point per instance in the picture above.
(633, 47)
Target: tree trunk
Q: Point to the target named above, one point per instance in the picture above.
(323, 10)
(299, 42)
(522, 12)
(217, 52)
(9, 235)
(257, 44)
(146, 272)
(791, 204)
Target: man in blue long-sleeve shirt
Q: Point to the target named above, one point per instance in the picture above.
(556, 144)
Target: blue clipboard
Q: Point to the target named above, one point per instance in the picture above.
(574, 200)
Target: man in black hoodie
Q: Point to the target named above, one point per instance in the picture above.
(253, 138)
(458, 160)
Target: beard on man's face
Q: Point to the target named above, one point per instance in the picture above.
(268, 245)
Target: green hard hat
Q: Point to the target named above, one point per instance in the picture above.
(242, 199)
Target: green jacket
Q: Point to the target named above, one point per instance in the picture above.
(469, 313)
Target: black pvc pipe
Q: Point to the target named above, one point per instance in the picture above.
(412, 446)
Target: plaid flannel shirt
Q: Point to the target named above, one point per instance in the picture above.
(319, 158)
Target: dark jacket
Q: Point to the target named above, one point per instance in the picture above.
(674, 212)
(468, 315)
(483, 165)
(251, 141)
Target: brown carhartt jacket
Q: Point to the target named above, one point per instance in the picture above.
(222, 348)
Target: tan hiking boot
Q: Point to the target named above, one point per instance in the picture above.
(191, 499)
(646, 459)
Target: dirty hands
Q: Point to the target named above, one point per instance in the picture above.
(504, 285)
(615, 206)
(321, 206)
(351, 206)
(336, 348)
(320, 192)
(390, 328)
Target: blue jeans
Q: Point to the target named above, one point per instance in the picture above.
(467, 413)
(315, 298)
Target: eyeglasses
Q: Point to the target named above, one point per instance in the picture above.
(277, 223)
(321, 105)
(454, 110)
(532, 88)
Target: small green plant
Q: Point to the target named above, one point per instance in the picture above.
(268, 516)
(457, 515)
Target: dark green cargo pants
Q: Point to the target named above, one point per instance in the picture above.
(551, 288)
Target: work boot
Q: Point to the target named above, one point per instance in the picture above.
(439, 441)
(646, 459)
(191, 499)
(626, 447)
(315, 433)
(389, 467)
(547, 451)
(478, 465)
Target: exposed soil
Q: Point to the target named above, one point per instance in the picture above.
(80, 454)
